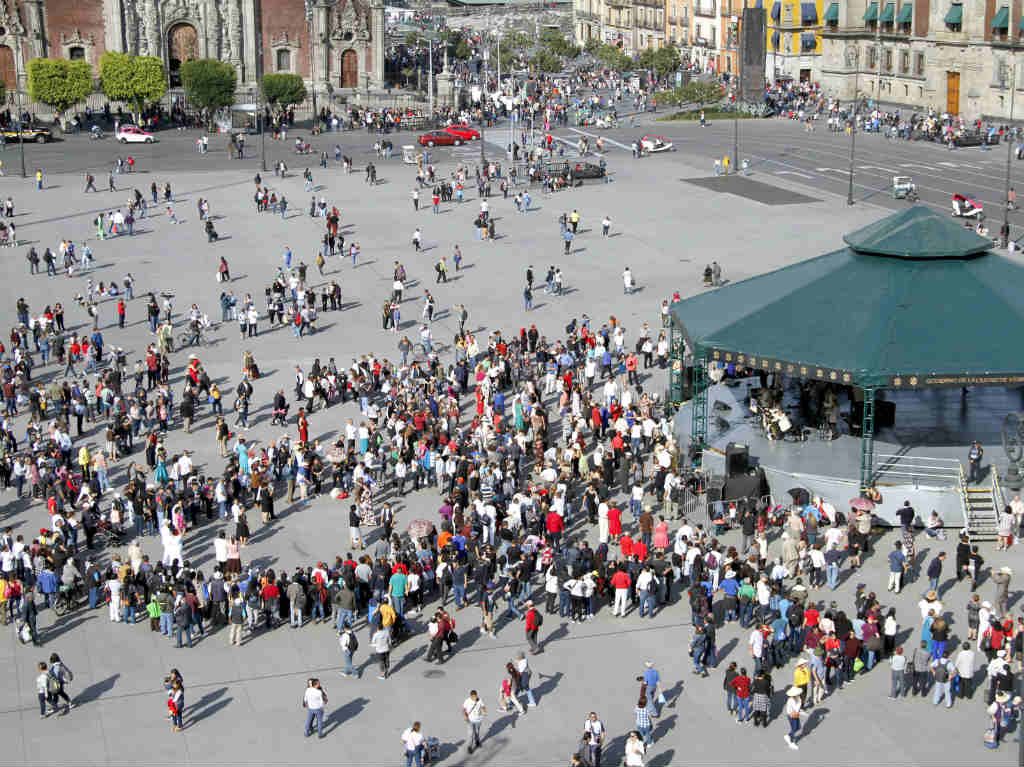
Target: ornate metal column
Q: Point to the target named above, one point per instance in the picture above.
(867, 438)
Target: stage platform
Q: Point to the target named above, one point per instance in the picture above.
(917, 459)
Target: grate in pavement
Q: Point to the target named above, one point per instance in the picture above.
(741, 186)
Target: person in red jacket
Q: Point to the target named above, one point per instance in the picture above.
(741, 686)
(621, 583)
(555, 526)
(533, 623)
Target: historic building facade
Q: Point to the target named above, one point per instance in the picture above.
(335, 45)
(955, 56)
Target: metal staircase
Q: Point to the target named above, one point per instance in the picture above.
(981, 506)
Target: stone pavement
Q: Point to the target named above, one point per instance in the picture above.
(243, 705)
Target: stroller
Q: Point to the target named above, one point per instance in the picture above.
(280, 416)
(108, 534)
(211, 233)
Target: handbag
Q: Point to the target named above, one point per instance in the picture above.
(858, 666)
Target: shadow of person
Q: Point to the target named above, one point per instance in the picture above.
(344, 713)
(96, 690)
(817, 717)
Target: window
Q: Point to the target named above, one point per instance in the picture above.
(887, 60)
(76, 53)
(872, 57)
(284, 60)
(904, 62)
(1000, 73)
(919, 64)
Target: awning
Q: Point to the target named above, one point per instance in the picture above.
(808, 41)
(888, 13)
(955, 14)
(871, 14)
(808, 13)
(1002, 18)
(775, 40)
(906, 14)
(776, 10)
(832, 14)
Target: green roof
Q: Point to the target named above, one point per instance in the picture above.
(871, 14)
(888, 13)
(859, 315)
(955, 14)
(1002, 19)
(832, 14)
(906, 13)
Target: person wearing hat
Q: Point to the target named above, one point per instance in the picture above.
(997, 710)
(794, 710)
(534, 620)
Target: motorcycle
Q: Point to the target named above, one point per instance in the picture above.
(95, 133)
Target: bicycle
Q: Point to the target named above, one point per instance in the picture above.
(69, 598)
(188, 338)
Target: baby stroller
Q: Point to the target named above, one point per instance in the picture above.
(211, 233)
(280, 416)
(108, 534)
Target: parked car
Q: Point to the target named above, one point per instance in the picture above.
(133, 134)
(439, 138)
(36, 133)
(463, 132)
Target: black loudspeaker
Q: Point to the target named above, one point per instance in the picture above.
(885, 415)
(743, 486)
(737, 459)
(752, 55)
(716, 486)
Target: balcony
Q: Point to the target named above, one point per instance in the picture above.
(705, 8)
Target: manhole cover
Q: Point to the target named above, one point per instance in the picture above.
(434, 673)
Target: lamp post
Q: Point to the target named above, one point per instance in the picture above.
(261, 124)
(1009, 155)
(853, 123)
(21, 138)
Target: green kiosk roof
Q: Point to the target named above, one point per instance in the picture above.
(890, 310)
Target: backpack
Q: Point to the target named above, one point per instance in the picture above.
(353, 642)
(540, 618)
(942, 672)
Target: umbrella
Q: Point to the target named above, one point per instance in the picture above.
(800, 495)
(862, 504)
(420, 528)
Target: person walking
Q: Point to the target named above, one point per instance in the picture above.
(381, 643)
(349, 643)
(473, 712)
(593, 736)
(793, 713)
(414, 744)
(314, 700)
(60, 675)
(534, 620)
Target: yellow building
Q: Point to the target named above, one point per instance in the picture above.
(793, 43)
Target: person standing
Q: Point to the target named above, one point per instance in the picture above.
(898, 667)
(381, 642)
(349, 644)
(413, 741)
(534, 620)
(793, 712)
(897, 566)
(974, 456)
(314, 701)
(473, 712)
(635, 750)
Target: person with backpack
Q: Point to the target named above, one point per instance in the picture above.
(59, 675)
(236, 617)
(349, 644)
(942, 673)
(534, 620)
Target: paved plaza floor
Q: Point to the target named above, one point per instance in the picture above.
(243, 704)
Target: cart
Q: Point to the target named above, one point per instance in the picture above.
(904, 188)
(409, 154)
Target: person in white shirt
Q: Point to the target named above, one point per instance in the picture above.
(473, 712)
(413, 741)
(220, 550)
(381, 643)
(314, 701)
(594, 729)
(964, 663)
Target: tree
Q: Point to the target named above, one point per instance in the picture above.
(209, 84)
(59, 83)
(412, 39)
(613, 57)
(663, 60)
(592, 45)
(462, 50)
(282, 90)
(546, 61)
(701, 92)
(135, 80)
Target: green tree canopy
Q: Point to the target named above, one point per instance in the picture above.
(546, 61)
(613, 57)
(701, 92)
(462, 50)
(592, 45)
(555, 41)
(209, 84)
(663, 61)
(283, 90)
(59, 83)
(135, 80)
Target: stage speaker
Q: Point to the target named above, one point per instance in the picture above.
(743, 486)
(737, 459)
(716, 486)
(752, 55)
(885, 414)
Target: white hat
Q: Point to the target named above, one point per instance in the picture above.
(1001, 653)
(1006, 570)
(649, 663)
(987, 605)
(794, 692)
(730, 574)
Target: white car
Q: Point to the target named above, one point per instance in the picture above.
(133, 134)
(653, 143)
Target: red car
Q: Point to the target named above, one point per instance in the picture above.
(439, 138)
(463, 132)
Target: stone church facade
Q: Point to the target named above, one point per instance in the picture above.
(336, 45)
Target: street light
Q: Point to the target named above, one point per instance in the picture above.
(21, 138)
(853, 123)
(1009, 153)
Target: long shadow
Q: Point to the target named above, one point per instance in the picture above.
(663, 759)
(727, 648)
(340, 715)
(816, 718)
(548, 685)
(96, 690)
(207, 706)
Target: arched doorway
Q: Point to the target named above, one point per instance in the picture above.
(8, 70)
(350, 69)
(182, 45)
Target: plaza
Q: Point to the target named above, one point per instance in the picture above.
(244, 703)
